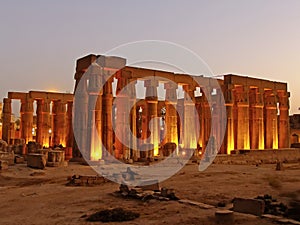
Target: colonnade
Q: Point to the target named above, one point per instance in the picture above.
(53, 118)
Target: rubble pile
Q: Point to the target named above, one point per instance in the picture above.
(144, 194)
(113, 215)
(272, 206)
(78, 180)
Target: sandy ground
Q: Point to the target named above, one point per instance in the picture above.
(45, 199)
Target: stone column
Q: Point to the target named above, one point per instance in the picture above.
(80, 117)
(152, 119)
(26, 119)
(107, 101)
(43, 122)
(70, 135)
(270, 117)
(189, 125)
(256, 114)
(284, 127)
(59, 123)
(242, 103)
(94, 145)
(133, 121)
(6, 119)
(229, 103)
(206, 116)
(122, 129)
(171, 113)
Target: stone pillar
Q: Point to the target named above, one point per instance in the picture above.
(242, 130)
(152, 119)
(284, 127)
(270, 117)
(189, 125)
(43, 122)
(59, 123)
(107, 101)
(122, 129)
(6, 119)
(26, 119)
(256, 114)
(80, 117)
(229, 103)
(206, 116)
(133, 121)
(94, 145)
(69, 130)
(171, 113)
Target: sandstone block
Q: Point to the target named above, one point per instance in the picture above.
(3, 165)
(37, 161)
(250, 206)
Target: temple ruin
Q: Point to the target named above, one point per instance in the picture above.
(256, 112)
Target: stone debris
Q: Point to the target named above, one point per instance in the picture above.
(142, 194)
(198, 204)
(8, 156)
(79, 180)
(36, 161)
(3, 165)
(279, 166)
(19, 159)
(113, 215)
(249, 206)
(224, 217)
(272, 206)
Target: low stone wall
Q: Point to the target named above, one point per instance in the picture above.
(270, 156)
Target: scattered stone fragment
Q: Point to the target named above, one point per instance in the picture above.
(272, 206)
(36, 161)
(34, 174)
(19, 159)
(3, 165)
(199, 204)
(85, 180)
(113, 215)
(224, 217)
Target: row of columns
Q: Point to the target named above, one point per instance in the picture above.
(48, 132)
(255, 120)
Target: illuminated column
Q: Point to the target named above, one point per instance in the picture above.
(70, 135)
(43, 122)
(133, 121)
(152, 120)
(107, 101)
(283, 134)
(59, 123)
(6, 119)
(189, 130)
(171, 113)
(243, 140)
(122, 129)
(205, 116)
(229, 102)
(94, 124)
(26, 119)
(256, 118)
(270, 116)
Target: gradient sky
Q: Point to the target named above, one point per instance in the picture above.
(40, 40)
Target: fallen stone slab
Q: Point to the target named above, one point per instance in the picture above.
(36, 161)
(194, 203)
(3, 165)
(250, 206)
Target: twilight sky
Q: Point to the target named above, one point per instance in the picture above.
(40, 40)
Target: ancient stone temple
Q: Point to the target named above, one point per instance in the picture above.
(53, 124)
(255, 115)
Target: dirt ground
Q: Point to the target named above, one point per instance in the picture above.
(45, 198)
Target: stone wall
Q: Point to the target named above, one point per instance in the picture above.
(290, 155)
